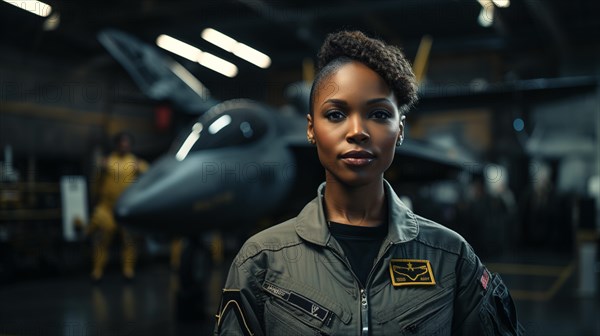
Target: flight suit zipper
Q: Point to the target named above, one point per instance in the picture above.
(364, 293)
(364, 313)
(364, 300)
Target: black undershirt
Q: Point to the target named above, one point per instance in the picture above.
(360, 244)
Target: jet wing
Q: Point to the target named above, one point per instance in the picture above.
(422, 161)
(417, 160)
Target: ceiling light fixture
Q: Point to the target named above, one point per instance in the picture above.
(189, 142)
(502, 3)
(52, 22)
(239, 49)
(218, 124)
(486, 15)
(36, 7)
(196, 55)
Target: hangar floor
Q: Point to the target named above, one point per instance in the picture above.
(544, 286)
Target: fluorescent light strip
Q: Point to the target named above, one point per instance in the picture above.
(219, 39)
(502, 3)
(178, 47)
(218, 124)
(189, 142)
(486, 15)
(239, 49)
(196, 55)
(36, 7)
(217, 64)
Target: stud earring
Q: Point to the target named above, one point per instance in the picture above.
(311, 141)
(399, 142)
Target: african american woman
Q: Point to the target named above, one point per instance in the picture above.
(356, 260)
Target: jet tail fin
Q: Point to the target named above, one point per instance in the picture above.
(158, 76)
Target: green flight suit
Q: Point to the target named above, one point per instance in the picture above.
(294, 279)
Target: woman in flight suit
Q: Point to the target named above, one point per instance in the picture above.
(356, 260)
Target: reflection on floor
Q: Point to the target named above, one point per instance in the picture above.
(544, 288)
(75, 306)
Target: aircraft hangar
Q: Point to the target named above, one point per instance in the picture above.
(143, 142)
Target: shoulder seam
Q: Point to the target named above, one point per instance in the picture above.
(436, 247)
(428, 243)
(261, 248)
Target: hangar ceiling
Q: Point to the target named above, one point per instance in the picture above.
(527, 41)
(549, 31)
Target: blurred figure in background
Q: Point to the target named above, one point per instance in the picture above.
(543, 211)
(489, 213)
(501, 228)
(116, 173)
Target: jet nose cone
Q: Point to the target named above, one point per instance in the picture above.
(139, 201)
(122, 211)
(127, 209)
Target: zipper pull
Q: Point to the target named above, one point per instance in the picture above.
(363, 299)
(364, 313)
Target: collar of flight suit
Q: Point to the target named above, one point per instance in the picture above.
(311, 224)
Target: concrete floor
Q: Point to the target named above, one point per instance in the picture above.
(544, 286)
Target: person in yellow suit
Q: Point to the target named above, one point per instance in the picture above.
(117, 171)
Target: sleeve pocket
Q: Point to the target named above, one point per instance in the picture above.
(280, 321)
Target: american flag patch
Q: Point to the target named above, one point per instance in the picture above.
(485, 279)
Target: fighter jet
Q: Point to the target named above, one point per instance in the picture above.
(239, 160)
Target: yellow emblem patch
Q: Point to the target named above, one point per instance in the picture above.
(411, 272)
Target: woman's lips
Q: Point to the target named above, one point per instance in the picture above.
(357, 162)
(357, 158)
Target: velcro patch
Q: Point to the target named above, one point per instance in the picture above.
(306, 305)
(411, 272)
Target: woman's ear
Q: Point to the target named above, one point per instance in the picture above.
(400, 138)
(310, 132)
(402, 119)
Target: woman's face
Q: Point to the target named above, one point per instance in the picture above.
(355, 124)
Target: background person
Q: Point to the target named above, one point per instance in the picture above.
(117, 172)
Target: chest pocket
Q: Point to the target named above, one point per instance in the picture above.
(419, 311)
(293, 308)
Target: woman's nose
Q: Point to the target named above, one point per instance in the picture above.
(357, 132)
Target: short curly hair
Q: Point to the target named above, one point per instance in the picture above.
(386, 60)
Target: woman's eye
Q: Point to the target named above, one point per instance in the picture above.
(335, 115)
(381, 114)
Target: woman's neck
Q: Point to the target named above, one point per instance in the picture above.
(361, 206)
